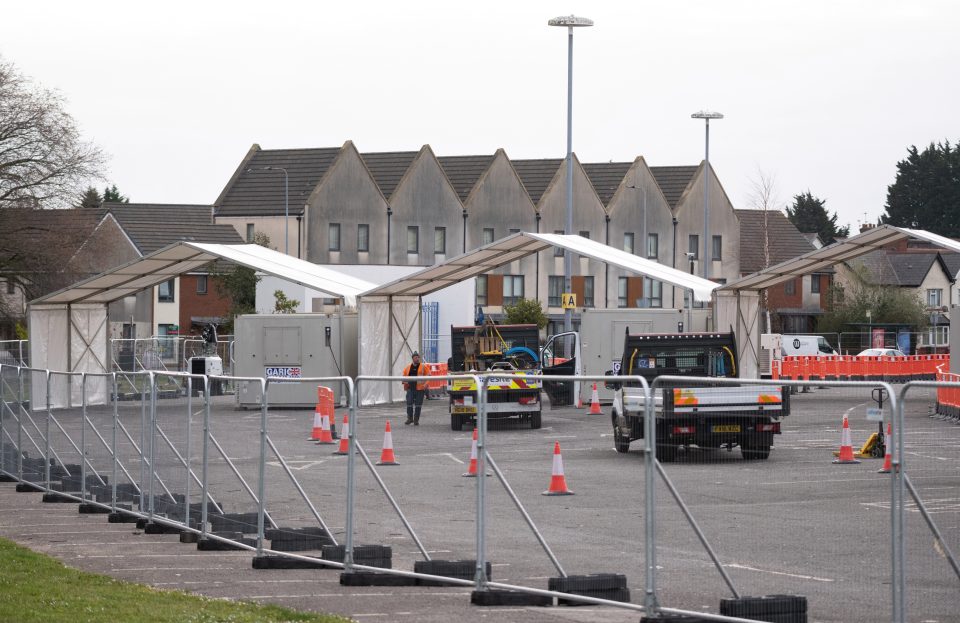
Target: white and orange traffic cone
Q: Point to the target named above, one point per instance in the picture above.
(888, 454)
(595, 401)
(386, 456)
(472, 469)
(315, 434)
(326, 438)
(344, 436)
(846, 445)
(558, 483)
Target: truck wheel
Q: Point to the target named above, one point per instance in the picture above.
(456, 421)
(536, 420)
(666, 453)
(753, 452)
(620, 441)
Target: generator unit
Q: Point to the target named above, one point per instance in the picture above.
(287, 347)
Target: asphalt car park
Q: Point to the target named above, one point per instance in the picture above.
(794, 524)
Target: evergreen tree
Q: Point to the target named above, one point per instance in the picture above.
(926, 193)
(239, 284)
(526, 311)
(809, 214)
(112, 195)
(90, 198)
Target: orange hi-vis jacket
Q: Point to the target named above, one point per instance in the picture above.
(422, 371)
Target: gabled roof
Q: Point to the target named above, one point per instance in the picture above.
(841, 251)
(952, 261)
(257, 192)
(464, 171)
(906, 270)
(387, 168)
(522, 244)
(606, 178)
(152, 226)
(673, 181)
(184, 257)
(785, 240)
(536, 175)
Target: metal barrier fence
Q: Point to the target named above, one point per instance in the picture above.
(187, 461)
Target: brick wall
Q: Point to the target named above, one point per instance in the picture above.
(193, 304)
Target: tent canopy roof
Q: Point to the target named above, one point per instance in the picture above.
(183, 257)
(522, 244)
(841, 251)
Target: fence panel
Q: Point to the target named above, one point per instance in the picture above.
(929, 495)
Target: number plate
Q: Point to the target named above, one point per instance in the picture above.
(464, 409)
(726, 428)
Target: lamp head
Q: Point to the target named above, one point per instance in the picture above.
(570, 21)
(706, 114)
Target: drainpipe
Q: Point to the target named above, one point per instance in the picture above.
(299, 234)
(673, 302)
(464, 231)
(536, 280)
(389, 214)
(606, 269)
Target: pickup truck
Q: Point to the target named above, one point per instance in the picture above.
(698, 413)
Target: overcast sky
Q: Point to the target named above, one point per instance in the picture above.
(825, 95)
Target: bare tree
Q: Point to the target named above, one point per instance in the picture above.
(43, 161)
(763, 196)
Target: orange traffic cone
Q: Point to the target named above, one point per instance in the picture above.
(317, 431)
(887, 457)
(326, 437)
(846, 445)
(344, 436)
(387, 457)
(558, 484)
(472, 469)
(579, 401)
(595, 401)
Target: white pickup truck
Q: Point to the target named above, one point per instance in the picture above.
(697, 413)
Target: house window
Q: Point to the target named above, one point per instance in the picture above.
(628, 242)
(934, 296)
(413, 239)
(363, 238)
(790, 287)
(558, 251)
(481, 290)
(512, 289)
(514, 230)
(165, 292)
(554, 291)
(693, 246)
(653, 292)
(717, 242)
(333, 237)
(588, 291)
(201, 284)
(621, 292)
(439, 240)
(487, 235)
(653, 246)
(815, 283)
(585, 234)
(249, 232)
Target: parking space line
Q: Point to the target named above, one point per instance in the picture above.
(789, 575)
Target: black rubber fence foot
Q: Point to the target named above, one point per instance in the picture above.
(58, 498)
(29, 487)
(372, 578)
(88, 508)
(459, 569)
(610, 586)
(285, 562)
(769, 608)
(508, 598)
(122, 517)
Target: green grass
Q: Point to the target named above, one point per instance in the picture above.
(38, 588)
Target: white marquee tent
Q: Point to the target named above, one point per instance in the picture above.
(738, 302)
(69, 331)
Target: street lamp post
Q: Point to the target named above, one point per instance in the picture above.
(286, 205)
(570, 22)
(706, 116)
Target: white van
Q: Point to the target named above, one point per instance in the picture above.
(774, 347)
(803, 345)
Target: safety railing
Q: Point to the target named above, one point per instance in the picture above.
(855, 368)
(257, 481)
